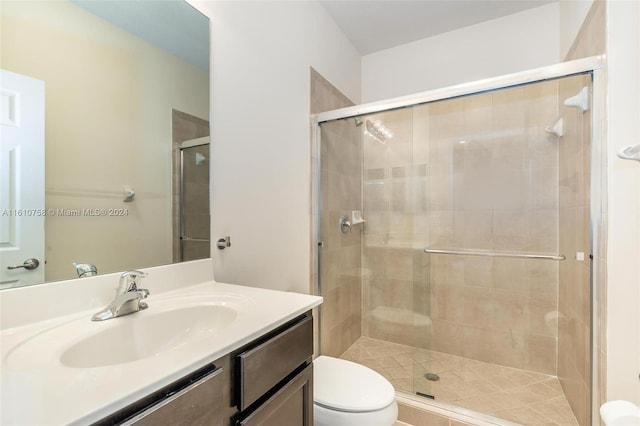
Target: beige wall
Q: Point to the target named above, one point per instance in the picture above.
(108, 107)
(578, 173)
(574, 296)
(340, 186)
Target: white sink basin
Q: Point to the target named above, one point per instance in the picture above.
(184, 329)
(138, 337)
(167, 325)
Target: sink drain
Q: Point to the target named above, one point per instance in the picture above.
(432, 377)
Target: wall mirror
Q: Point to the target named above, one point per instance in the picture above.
(105, 125)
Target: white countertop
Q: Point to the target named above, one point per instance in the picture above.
(37, 389)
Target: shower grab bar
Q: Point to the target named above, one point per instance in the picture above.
(496, 254)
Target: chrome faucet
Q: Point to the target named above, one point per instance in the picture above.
(85, 269)
(128, 297)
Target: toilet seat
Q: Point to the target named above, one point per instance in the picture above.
(343, 385)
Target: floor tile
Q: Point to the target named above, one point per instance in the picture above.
(520, 396)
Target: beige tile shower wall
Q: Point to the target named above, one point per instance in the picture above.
(573, 373)
(340, 177)
(340, 264)
(574, 303)
(479, 173)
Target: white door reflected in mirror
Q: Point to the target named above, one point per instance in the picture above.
(22, 209)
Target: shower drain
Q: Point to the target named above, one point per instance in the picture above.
(432, 376)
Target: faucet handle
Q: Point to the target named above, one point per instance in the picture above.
(129, 280)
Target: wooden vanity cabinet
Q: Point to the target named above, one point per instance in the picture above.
(275, 377)
(266, 382)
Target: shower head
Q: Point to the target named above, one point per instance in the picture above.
(358, 121)
(378, 131)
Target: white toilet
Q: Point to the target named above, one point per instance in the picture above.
(350, 394)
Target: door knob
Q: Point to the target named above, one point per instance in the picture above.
(28, 264)
(223, 243)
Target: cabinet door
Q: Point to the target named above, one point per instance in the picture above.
(292, 405)
(200, 403)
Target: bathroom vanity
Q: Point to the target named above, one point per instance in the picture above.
(266, 382)
(230, 354)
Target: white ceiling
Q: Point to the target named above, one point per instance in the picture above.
(374, 25)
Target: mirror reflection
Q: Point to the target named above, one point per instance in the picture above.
(105, 157)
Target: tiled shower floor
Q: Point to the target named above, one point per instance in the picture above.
(516, 395)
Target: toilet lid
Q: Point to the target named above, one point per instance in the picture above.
(343, 385)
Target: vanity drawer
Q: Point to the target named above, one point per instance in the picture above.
(264, 366)
(199, 402)
(291, 405)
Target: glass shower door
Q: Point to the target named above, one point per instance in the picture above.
(473, 264)
(194, 203)
(507, 179)
(390, 170)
